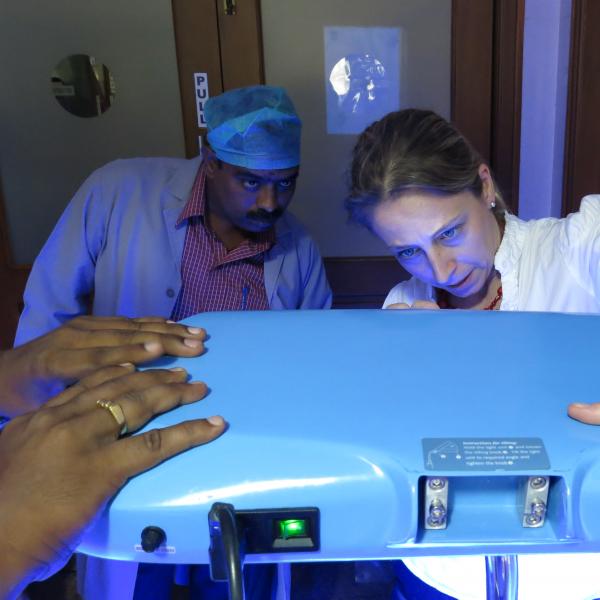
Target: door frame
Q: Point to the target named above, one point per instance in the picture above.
(582, 138)
(12, 282)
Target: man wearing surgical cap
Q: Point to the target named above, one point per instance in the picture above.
(173, 237)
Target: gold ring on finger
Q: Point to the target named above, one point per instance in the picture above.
(117, 413)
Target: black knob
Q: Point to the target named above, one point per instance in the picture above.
(152, 538)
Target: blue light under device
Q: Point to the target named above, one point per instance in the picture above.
(406, 433)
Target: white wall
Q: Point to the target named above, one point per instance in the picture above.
(45, 152)
(544, 101)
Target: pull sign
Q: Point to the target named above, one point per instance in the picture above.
(230, 7)
(201, 86)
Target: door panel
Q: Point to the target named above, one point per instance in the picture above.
(198, 51)
(472, 71)
(12, 282)
(582, 162)
(239, 32)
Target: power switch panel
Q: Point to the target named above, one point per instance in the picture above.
(279, 530)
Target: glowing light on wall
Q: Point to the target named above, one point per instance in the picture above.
(362, 76)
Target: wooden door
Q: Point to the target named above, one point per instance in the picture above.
(12, 284)
(582, 151)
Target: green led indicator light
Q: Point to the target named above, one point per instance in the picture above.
(292, 528)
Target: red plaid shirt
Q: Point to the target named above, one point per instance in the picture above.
(212, 278)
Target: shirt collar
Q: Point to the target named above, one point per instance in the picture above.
(511, 246)
(194, 207)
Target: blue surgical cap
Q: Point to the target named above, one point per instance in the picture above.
(254, 127)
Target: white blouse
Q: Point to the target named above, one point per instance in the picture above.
(549, 265)
(545, 265)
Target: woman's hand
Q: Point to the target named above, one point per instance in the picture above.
(61, 463)
(419, 304)
(34, 372)
(586, 413)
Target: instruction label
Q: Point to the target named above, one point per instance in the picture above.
(484, 454)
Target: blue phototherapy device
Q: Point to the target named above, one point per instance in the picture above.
(375, 434)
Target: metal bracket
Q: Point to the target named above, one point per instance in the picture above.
(435, 503)
(535, 502)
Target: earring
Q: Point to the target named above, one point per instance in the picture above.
(492, 205)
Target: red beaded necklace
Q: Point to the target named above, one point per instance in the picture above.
(442, 300)
(496, 301)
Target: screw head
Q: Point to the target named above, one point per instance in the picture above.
(433, 522)
(538, 507)
(538, 482)
(437, 484)
(532, 519)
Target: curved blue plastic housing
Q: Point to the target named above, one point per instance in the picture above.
(330, 409)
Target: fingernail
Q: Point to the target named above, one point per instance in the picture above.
(194, 330)
(152, 347)
(216, 421)
(192, 343)
(127, 365)
(171, 322)
(178, 369)
(579, 405)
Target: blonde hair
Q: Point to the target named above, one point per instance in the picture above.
(412, 149)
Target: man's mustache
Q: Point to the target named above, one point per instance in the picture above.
(265, 216)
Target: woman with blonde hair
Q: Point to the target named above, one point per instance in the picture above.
(421, 187)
